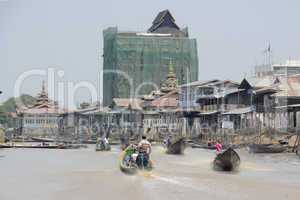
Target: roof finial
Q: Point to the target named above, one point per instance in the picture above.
(171, 68)
(171, 73)
(43, 87)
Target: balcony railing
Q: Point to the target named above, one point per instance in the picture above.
(221, 108)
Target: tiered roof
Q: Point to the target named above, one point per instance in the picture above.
(133, 103)
(43, 105)
(164, 22)
(167, 96)
(171, 82)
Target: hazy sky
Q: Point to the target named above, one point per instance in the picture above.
(67, 35)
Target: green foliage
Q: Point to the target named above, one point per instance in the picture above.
(3, 116)
(10, 106)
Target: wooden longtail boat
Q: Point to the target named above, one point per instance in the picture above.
(4, 146)
(203, 146)
(102, 147)
(41, 146)
(228, 160)
(132, 167)
(41, 139)
(124, 143)
(177, 146)
(267, 148)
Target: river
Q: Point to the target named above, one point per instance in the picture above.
(83, 174)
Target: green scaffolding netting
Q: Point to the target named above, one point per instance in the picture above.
(145, 59)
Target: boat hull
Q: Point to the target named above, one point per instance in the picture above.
(133, 168)
(203, 146)
(39, 139)
(267, 148)
(100, 147)
(228, 160)
(42, 146)
(176, 147)
(5, 146)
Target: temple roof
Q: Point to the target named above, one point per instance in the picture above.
(169, 100)
(169, 85)
(133, 103)
(171, 82)
(43, 105)
(164, 20)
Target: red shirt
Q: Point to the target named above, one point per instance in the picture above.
(219, 147)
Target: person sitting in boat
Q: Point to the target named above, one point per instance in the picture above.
(167, 141)
(129, 152)
(144, 148)
(219, 146)
(209, 143)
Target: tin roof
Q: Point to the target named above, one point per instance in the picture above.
(165, 102)
(134, 103)
(287, 86)
(212, 82)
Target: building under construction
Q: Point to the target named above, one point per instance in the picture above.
(135, 63)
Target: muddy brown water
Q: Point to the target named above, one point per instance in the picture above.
(83, 174)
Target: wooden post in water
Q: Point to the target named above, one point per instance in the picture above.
(2, 136)
(297, 142)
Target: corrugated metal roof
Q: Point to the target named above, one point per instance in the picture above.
(287, 86)
(168, 100)
(43, 111)
(211, 83)
(125, 103)
(165, 102)
(199, 83)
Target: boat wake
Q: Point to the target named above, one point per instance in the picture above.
(254, 167)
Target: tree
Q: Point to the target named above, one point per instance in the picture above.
(10, 106)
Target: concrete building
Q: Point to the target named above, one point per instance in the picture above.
(145, 57)
(190, 93)
(290, 67)
(85, 123)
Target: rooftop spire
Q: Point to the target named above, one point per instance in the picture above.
(43, 87)
(171, 82)
(171, 68)
(42, 98)
(171, 73)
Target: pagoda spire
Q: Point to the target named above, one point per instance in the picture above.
(42, 98)
(43, 87)
(171, 82)
(171, 70)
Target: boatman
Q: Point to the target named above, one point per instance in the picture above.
(167, 141)
(129, 152)
(144, 148)
(144, 145)
(105, 140)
